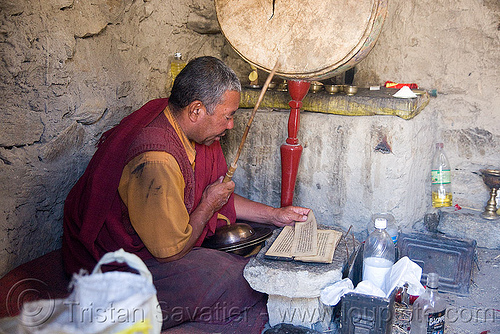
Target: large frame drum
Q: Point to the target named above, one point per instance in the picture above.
(316, 39)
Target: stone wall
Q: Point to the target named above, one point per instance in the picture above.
(72, 69)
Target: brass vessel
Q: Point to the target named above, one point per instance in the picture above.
(350, 90)
(491, 177)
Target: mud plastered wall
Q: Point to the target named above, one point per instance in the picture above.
(72, 69)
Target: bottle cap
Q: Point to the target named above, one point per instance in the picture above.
(380, 223)
(432, 280)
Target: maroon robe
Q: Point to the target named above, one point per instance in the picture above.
(205, 285)
(95, 218)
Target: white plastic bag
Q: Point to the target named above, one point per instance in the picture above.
(403, 271)
(406, 271)
(331, 294)
(112, 302)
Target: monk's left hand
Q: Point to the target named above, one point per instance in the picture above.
(289, 215)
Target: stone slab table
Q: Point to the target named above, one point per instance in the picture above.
(294, 287)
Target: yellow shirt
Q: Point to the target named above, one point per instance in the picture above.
(152, 188)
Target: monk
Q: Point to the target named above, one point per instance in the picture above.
(154, 188)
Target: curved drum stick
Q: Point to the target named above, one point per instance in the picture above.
(234, 164)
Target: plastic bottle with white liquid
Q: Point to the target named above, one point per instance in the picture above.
(392, 228)
(378, 255)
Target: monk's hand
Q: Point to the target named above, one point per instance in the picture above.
(289, 215)
(217, 194)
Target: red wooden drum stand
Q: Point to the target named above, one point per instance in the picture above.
(291, 150)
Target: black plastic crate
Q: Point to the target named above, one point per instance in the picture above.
(363, 314)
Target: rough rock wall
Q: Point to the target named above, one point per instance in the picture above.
(69, 71)
(72, 69)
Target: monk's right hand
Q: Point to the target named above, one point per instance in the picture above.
(217, 194)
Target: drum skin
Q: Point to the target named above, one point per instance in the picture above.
(313, 39)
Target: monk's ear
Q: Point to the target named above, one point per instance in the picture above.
(195, 110)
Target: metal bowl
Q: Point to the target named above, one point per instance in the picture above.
(315, 87)
(333, 89)
(491, 177)
(282, 86)
(239, 238)
(232, 234)
(351, 90)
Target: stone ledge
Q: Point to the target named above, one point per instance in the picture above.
(466, 224)
(294, 279)
(365, 103)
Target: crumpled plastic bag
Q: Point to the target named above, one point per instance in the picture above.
(331, 294)
(406, 271)
(368, 288)
(403, 271)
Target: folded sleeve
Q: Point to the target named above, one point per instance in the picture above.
(152, 188)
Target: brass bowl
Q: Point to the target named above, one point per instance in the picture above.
(315, 87)
(491, 177)
(333, 89)
(238, 238)
(272, 85)
(351, 90)
(282, 86)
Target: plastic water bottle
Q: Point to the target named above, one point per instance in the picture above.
(176, 65)
(428, 315)
(378, 255)
(391, 228)
(441, 179)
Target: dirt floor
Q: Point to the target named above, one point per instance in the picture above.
(480, 311)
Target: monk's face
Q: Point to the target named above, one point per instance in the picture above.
(213, 127)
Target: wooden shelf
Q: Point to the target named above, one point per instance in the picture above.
(365, 103)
